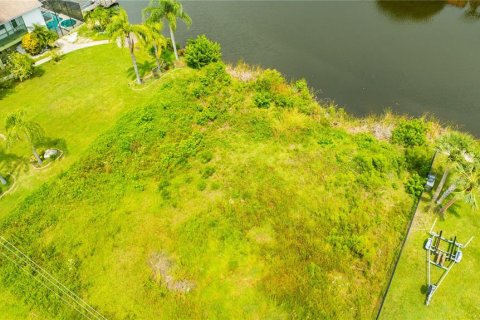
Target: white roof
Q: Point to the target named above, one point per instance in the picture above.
(11, 9)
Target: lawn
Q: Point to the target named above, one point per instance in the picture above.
(459, 294)
(74, 101)
(201, 196)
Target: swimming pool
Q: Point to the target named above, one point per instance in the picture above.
(51, 20)
(54, 21)
(68, 23)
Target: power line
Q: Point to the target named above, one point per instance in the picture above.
(91, 313)
(43, 284)
(58, 283)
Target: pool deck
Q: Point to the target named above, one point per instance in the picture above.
(58, 18)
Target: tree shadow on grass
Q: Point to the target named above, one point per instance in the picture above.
(430, 206)
(143, 68)
(7, 87)
(454, 210)
(55, 143)
(11, 163)
(38, 72)
(423, 289)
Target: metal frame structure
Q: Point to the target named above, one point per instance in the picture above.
(444, 259)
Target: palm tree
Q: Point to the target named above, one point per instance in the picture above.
(169, 10)
(155, 40)
(469, 184)
(99, 18)
(121, 29)
(455, 146)
(19, 129)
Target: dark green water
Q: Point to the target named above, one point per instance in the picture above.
(411, 57)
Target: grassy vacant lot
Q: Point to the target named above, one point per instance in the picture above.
(458, 296)
(210, 198)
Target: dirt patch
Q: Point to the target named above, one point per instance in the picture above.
(382, 131)
(162, 266)
(379, 130)
(243, 72)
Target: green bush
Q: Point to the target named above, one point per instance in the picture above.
(414, 185)
(167, 57)
(207, 172)
(301, 87)
(269, 80)
(20, 66)
(262, 100)
(417, 159)
(206, 156)
(31, 44)
(212, 79)
(202, 51)
(38, 40)
(45, 37)
(55, 55)
(410, 133)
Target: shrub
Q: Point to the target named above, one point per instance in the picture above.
(206, 156)
(212, 79)
(417, 159)
(202, 185)
(380, 163)
(31, 44)
(269, 80)
(284, 101)
(414, 185)
(201, 52)
(45, 37)
(262, 100)
(363, 163)
(20, 66)
(55, 55)
(410, 133)
(207, 172)
(206, 117)
(167, 57)
(301, 87)
(38, 40)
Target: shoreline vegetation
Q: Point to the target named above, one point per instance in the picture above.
(212, 190)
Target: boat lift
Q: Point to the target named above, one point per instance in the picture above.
(443, 258)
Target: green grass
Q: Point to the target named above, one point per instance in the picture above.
(458, 295)
(11, 306)
(74, 101)
(270, 212)
(83, 31)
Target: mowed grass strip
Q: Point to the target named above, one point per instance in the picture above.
(458, 295)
